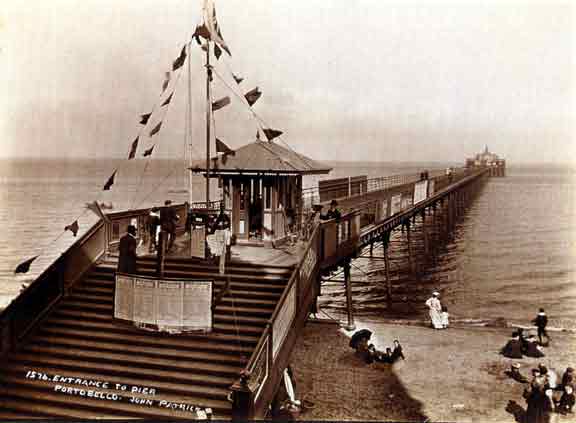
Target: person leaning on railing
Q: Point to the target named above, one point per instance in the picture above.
(333, 212)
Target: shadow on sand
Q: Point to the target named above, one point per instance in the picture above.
(342, 386)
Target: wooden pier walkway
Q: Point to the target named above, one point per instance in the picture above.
(62, 324)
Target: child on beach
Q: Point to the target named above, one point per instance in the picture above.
(444, 317)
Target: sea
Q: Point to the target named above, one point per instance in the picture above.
(511, 253)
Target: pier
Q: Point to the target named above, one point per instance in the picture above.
(60, 331)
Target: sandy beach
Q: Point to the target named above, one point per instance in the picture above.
(453, 375)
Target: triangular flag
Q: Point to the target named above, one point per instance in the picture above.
(201, 31)
(73, 227)
(217, 51)
(218, 104)
(167, 101)
(271, 133)
(95, 207)
(223, 148)
(110, 181)
(237, 78)
(180, 60)
(133, 149)
(25, 265)
(166, 81)
(148, 152)
(212, 25)
(252, 96)
(144, 118)
(156, 129)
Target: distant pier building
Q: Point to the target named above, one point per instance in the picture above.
(496, 165)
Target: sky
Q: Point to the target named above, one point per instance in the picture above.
(367, 80)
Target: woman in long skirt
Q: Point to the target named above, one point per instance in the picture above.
(435, 310)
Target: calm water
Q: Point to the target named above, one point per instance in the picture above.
(514, 251)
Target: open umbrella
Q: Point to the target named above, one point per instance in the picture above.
(358, 336)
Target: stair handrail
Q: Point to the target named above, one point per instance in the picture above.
(47, 289)
(242, 385)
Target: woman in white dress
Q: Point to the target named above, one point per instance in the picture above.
(435, 310)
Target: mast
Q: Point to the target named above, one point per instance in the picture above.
(188, 142)
(208, 119)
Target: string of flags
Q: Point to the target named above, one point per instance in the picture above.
(210, 31)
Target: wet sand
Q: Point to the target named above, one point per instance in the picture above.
(453, 375)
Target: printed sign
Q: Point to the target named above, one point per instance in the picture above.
(420, 191)
(283, 320)
(395, 204)
(169, 304)
(197, 242)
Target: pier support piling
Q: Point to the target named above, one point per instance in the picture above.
(349, 306)
(385, 243)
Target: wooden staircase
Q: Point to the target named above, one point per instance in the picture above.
(79, 339)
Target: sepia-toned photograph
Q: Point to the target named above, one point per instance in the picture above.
(314, 210)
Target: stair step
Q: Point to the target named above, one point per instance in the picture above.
(146, 351)
(108, 290)
(265, 286)
(179, 364)
(110, 325)
(219, 342)
(106, 316)
(123, 370)
(200, 274)
(111, 262)
(109, 299)
(217, 393)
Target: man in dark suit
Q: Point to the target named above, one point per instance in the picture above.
(127, 252)
(168, 219)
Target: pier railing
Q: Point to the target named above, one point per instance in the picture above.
(20, 317)
(349, 187)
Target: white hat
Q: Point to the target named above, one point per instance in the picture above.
(436, 293)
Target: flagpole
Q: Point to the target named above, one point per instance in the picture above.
(208, 119)
(188, 143)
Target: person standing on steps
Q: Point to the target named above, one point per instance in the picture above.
(127, 252)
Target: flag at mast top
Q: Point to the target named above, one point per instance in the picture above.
(211, 24)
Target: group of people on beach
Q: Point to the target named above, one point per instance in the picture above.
(544, 395)
(521, 345)
(439, 317)
(368, 352)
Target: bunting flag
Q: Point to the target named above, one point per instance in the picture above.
(148, 152)
(73, 227)
(180, 60)
(166, 81)
(201, 31)
(133, 149)
(25, 265)
(252, 96)
(218, 104)
(95, 207)
(271, 133)
(217, 51)
(237, 78)
(167, 101)
(223, 148)
(144, 118)
(156, 129)
(110, 181)
(212, 26)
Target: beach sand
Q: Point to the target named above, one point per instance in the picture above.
(452, 375)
